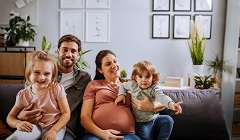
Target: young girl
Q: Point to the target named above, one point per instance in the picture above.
(45, 95)
(144, 81)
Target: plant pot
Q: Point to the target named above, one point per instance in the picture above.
(10, 43)
(23, 43)
(197, 69)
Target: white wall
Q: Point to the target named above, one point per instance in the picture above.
(131, 38)
(231, 52)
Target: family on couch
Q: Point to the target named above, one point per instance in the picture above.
(100, 117)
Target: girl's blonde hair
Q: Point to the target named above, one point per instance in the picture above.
(41, 56)
(149, 67)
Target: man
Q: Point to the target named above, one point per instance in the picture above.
(74, 81)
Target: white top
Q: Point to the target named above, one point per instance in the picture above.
(67, 80)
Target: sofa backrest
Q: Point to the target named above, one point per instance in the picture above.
(202, 117)
(8, 94)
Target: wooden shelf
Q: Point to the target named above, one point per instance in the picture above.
(13, 62)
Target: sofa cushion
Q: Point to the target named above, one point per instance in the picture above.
(8, 94)
(202, 117)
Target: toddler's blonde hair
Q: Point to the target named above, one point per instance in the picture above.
(149, 67)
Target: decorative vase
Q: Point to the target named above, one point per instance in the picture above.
(23, 43)
(196, 71)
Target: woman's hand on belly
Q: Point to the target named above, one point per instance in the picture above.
(111, 134)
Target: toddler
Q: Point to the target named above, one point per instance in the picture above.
(144, 80)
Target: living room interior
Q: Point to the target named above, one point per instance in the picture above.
(130, 37)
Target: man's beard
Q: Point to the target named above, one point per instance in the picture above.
(69, 65)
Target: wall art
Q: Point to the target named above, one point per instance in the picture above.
(181, 26)
(161, 5)
(71, 3)
(182, 5)
(160, 25)
(98, 26)
(97, 3)
(205, 24)
(203, 6)
(72, 22)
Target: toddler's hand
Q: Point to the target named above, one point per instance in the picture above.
(176, 107)
(119, 99)
(24, 126)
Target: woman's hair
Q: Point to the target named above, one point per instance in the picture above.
(149, 67)
(70, 38)
(41, 56)
(98, 62)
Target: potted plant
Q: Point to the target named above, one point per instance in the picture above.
(196, 44)
(81, 63)
(203, 82)
(218, 66)
(19, 30)
(46, 45)
(123, 74)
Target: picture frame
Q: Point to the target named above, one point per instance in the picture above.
(72, 4)
(97, 26)
(97, 4)
(161, 26)
(72, 22)
(206, 24)
(203, 6)
(181, 26)
(182, 5)
(161, 5)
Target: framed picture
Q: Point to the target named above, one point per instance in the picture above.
(205, 22)
(97, 3)
(71, 3)
(98, 26)
(181, 27)
(161, 5)
(160, 25)
(182, 5)
(72, 22)
(203, 6)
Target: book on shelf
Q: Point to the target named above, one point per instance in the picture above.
(173, 81)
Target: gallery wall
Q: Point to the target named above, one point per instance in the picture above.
(131, 35)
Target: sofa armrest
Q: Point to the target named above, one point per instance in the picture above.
(202, 117)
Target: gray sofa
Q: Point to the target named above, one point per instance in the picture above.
(202, 117)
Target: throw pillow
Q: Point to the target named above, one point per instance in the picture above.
(3, 130)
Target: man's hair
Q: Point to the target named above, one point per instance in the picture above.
(70, 38)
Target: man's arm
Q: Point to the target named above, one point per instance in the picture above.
(32, 116)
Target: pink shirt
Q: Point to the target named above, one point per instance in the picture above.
(107, 115)
(47, 101)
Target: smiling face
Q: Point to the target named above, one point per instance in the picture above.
(110, 67)
(144, 80)
(67, 54)
(41, 74)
